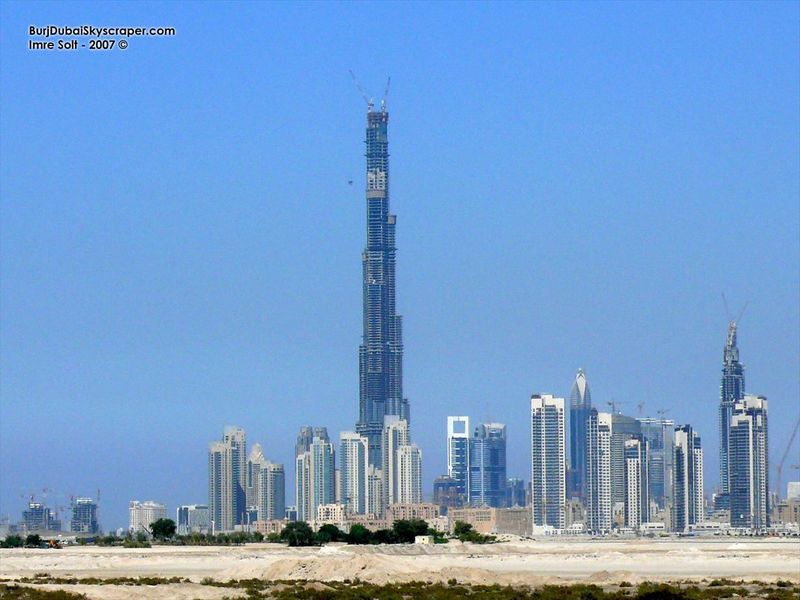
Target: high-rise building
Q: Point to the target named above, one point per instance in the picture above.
(637, 488)
(265, 489)
(598, 472)
(660, 436)
(272, 503)
(731, 391)
(192, 518)
(487, 465)
(409, 466)
(315, 478)
(381, 350)
(580, 402)
(749, 475)
(252, 489)
(447, 494)
(84, 516)
(687, 507)
(39, 517)
(548, 461)
(354, 470)
(623, 428)
(306, 436)
(515, 492)
(227, 466)
(458, 434)
(141, 515)
(376, 498)
(395, 434)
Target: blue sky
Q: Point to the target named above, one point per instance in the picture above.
(575, 184)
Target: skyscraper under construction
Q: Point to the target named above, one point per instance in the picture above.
(381, 351)
(731, 392)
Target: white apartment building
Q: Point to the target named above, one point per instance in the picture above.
(143, 514)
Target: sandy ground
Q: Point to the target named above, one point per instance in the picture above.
(523, 562)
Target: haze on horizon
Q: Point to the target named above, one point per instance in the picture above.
(575, 186)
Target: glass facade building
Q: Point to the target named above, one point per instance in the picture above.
(660, 436)
(623, 428)
(580, 402)
(731, 392)
(458, 434)
(381, 350)
(487, 465)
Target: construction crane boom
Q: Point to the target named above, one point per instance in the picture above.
(779, 470)
(370, 102)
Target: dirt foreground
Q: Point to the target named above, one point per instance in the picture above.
(523, 562)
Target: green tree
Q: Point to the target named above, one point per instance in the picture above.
(465, 533)
(384, 536)
(163, 529)
(239, 537)
(12, 541)
(257, 536)
(33, 540)
(359, 535)
(298, 533)
(406, 531)
(329, 533)
(462, 528)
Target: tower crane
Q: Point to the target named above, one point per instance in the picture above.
(370, 102)
(779, 469)
(385, 94)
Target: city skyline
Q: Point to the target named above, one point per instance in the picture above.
(195, 295)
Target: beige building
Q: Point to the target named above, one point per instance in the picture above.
(369, 521)
(424, 511)
(482, 519)
(331, 513)
(268, 527)
(786, 511)
(512, 521)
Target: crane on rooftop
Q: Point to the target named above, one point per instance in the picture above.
(367, 98)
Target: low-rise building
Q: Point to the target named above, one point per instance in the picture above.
(482, 519)
(407, 512)
(269, 527)
(370, 521)
(786, 512)
(335, 514)
(513, 521)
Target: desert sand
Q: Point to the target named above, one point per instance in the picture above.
(521, 562)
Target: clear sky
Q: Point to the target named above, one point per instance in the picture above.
(575, 185)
